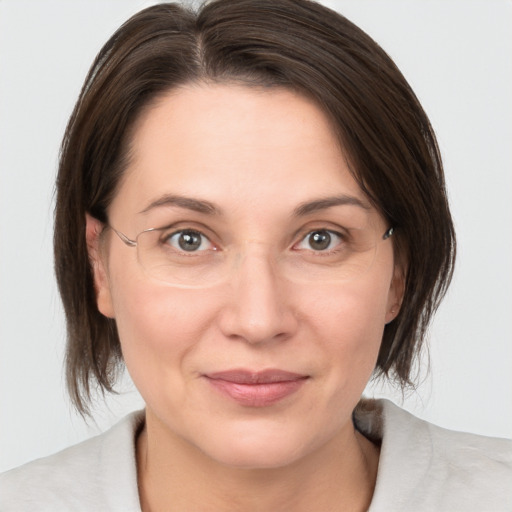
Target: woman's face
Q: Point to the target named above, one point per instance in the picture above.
(262, 361)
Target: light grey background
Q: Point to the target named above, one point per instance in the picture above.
(457, 55)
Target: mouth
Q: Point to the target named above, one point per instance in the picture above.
(256, 388)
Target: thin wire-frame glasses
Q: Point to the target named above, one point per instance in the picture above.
(176, 257)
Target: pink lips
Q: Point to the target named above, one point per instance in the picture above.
(256, 389)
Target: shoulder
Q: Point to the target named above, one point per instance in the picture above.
(78, 478)
(424, 467)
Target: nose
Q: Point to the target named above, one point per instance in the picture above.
(259, 307)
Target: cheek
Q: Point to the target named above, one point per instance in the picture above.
(353, 312)
(159, 328)
(349, 323)
(151, 315)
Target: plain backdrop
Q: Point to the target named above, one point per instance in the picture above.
(456, 54)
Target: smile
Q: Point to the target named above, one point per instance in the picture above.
(256, 389)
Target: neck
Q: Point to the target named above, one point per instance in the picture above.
(174, 475)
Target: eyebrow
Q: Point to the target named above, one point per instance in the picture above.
(328, 202)
(202, 206)
(196, 205)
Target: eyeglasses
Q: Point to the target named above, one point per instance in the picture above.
(186, 257)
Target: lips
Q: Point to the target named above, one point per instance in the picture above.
(256, 389)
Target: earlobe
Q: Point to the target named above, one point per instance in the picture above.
(396, 294)
(93, 230)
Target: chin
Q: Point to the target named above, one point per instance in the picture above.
(258, 448)
(251, 459)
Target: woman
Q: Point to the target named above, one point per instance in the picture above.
(246, 197)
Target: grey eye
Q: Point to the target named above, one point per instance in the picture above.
(189, 240)
(319, 240)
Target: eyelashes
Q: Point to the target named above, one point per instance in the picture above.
(320, 240)
(190, 240)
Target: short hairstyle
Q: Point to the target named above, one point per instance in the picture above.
(294, 44)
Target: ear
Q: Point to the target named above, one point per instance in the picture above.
(396, 293)
(93, 230)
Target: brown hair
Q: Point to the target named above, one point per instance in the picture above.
(295, 44)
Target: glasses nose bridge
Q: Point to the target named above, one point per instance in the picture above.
(251, 254)
(258, 259)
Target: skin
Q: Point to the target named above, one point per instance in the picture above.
(256, 155)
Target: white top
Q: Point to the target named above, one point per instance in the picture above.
(422, 468)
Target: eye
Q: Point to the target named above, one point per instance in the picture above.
(189, 240)
(320, 240)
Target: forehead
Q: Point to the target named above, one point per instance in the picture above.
(237, 147)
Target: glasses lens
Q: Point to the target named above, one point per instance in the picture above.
(331, 257)
(187, 258)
